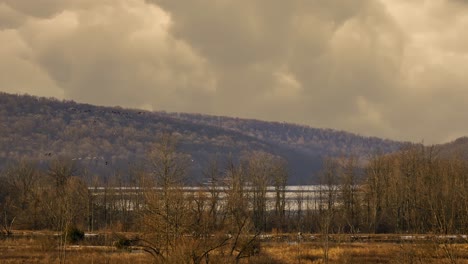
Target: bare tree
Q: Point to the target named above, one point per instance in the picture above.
(65, 199)
(166, 207)
(280, 179)
(328, 195)
(378, 173)
(22, 180)
(349, 199)
(214, 189)
(239, 223)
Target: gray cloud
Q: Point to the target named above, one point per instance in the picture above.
(390, 68)
(118, 54)
(9, 17)
(43, 8)
(335, 54)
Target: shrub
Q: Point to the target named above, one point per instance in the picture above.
(74, 235)
(123, 243)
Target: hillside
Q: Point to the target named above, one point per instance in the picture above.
(458, 148)
(109, 140)
(315, 141)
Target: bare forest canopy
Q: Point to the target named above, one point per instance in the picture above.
(112, 140)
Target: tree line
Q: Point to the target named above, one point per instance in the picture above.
(414, 190)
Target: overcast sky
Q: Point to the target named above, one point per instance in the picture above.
(391, 68)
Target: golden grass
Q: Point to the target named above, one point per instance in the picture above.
(43, 249)
(313, 253)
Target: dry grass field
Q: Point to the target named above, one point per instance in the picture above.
(358, 252)
(43, 249)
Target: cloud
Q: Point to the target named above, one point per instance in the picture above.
(9, 18)
(18, 72)
(118, 54)
(335, 52)
(389, 68)
(49, 8)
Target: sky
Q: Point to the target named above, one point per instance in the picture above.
(394, 69)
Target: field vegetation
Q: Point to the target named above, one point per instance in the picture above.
(40, 247)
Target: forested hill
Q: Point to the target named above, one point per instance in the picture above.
(322, 142)
(458, 148)
(109, 140)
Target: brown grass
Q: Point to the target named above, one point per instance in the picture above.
(43, 249)
(375, 252)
